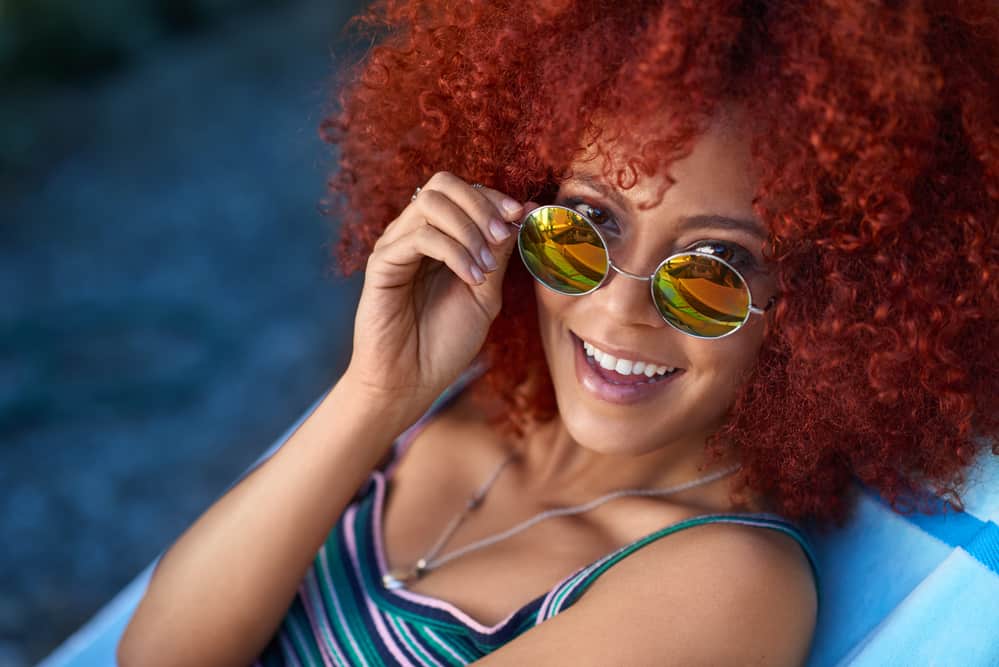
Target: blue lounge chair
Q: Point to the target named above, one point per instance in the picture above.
(905, 590)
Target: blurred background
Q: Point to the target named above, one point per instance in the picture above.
(167, 307)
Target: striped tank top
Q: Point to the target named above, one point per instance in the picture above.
(343, 615)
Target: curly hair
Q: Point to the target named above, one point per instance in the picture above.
(875, 138)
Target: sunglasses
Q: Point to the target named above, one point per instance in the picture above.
(697, 293)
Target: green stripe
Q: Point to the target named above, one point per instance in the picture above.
(768, 523)
(308, 652)
(466, 647)
(351, 610)
(415, 648)
(553, 608)
(373, 578)
(529, 622)
(443, 655)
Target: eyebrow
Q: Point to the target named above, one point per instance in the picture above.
(601, 187)
(721, 222)
(685, 223)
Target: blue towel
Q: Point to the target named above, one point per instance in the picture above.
(897, 590)
(919, 589)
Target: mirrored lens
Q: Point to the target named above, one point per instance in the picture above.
(562, 250)
(701, 295)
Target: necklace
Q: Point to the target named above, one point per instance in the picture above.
(398, 577)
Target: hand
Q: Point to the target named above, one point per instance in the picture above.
(429, 296)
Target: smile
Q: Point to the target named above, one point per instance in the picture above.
(619, 380)
(609, 362)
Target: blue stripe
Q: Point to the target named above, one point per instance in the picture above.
(955, 529)
(985, 546)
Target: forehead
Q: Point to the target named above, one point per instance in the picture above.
(716, 177)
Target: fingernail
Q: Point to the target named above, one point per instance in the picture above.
(510, 206)
(487, 258)
(477, 273)
(498, 230)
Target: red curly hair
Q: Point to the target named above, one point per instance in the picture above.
(875, 137)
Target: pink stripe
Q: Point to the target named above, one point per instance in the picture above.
(336, 603)
(315, 609)
(403, 442)
(553, 593)
(295, 632)
(402, 640)
(349, 520)
(289, 651)
(387, 637)
(444, 645)
(417, 597)
(405, 631)
(581, 574)
(317, 630)
(287, 644)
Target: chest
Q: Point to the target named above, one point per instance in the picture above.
(491, 581)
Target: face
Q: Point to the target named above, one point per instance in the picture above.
(612, 413)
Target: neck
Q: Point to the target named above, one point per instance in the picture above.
(551, 466)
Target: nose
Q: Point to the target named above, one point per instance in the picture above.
(627, 300)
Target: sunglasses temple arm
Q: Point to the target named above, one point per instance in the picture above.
(760, 311)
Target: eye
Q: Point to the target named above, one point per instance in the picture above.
(733, 253)
(597, 216)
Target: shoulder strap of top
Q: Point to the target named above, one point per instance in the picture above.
(566, 593)
(402, 443)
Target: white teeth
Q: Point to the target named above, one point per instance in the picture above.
(624, 366)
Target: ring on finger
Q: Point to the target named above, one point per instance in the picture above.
(477, 186)
(415, 193)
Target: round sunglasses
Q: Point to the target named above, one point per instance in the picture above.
(697, 293)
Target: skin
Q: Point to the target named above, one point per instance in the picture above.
(728, 594)
(720, 594)
(597, 445)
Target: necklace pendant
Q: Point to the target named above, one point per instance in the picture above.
(398, 577)
(395, 579)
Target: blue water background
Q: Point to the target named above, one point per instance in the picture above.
(166, 303)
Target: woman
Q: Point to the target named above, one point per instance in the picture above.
(787, 211)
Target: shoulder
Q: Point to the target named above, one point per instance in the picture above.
(717, 593)
(743, 593)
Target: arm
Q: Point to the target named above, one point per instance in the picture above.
(712, 595)
(220, 592)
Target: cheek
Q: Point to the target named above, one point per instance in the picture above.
(551, 306)
(734, 357)
(549, 309)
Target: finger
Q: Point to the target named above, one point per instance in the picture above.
(488, 207)
(446, 215)
(494, 280)
(396, 263)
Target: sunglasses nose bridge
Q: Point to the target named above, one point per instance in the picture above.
(627, 305)
(628, 274)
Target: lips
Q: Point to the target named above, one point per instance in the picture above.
(612, 387)
(614, 377)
